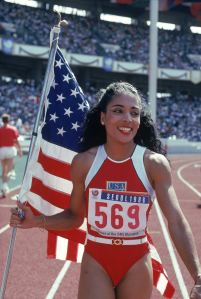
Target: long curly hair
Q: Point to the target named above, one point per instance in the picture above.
(94, 133)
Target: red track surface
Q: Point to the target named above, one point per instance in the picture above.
(32, 275)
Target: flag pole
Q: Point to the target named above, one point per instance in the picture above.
(54, 35)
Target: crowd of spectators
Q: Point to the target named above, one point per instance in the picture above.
(87, 35)
(21, 102)
(178, 115)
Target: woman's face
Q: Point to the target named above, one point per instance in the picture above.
(122, 118)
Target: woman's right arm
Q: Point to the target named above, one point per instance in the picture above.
(69, 218)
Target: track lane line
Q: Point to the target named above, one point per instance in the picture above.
(186, 182)
(175, 264)
(14, 189)
(58, 280)
(7, 206)
(4, 228)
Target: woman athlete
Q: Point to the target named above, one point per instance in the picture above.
(121, 167)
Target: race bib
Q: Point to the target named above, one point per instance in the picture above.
(118, 213)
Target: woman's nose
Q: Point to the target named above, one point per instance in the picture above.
(127, 117)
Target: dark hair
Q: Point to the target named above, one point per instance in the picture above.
(5, 118)
(94, 132)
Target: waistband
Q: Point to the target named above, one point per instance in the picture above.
(117, 241)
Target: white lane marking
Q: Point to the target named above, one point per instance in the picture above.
(176, 161)
(186, 182)
(181, 160)
(151, 232)
(7, 206)
(188, 200)
(4, 228)
(58, 281)
(170, 248)
(14, 197)
(14, 189)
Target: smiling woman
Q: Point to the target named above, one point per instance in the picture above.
(132, 111)
(122, 119)
(115, 178)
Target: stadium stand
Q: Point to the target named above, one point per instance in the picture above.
(87, 35)
(90, 36)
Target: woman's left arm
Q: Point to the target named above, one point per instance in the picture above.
(160, 173)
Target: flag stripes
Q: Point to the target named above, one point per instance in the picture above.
(55, 167)
(160, 278)
(53, 196)
(40, 205)
(56, 152)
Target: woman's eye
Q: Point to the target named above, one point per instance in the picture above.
(117, 111)
(120, 111)
(135, 113)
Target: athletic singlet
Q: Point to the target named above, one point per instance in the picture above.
(119, 198)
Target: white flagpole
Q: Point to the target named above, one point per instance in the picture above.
(54, 43)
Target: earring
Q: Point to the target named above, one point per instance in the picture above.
(102, 123)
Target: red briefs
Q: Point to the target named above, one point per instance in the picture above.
(116, 260)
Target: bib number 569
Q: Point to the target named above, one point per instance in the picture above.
(116, 219)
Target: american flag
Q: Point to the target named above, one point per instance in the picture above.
(47, 184)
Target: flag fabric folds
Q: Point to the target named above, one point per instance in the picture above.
(160, 277)
(47, 184)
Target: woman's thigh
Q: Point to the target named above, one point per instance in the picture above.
(138, 281)
(94, 281)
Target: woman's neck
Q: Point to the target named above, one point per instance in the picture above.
(119, 152)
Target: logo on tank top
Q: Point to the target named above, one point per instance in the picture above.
(120, 186)
(95, 192)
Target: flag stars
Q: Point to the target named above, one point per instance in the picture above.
(53, 117)
(61, 131)
(59, 63)
(74, 92)
(60, 97)
(54, 84)
(81, 106)
(67, 78)
(75, 126)
(68, 112)
(48, 103)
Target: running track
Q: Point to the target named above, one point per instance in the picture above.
(32, 276)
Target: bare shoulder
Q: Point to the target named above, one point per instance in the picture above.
(82, 162)
(157, 166)
(156, 159)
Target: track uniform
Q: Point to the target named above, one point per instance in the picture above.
(119, 198)
(8, 136)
